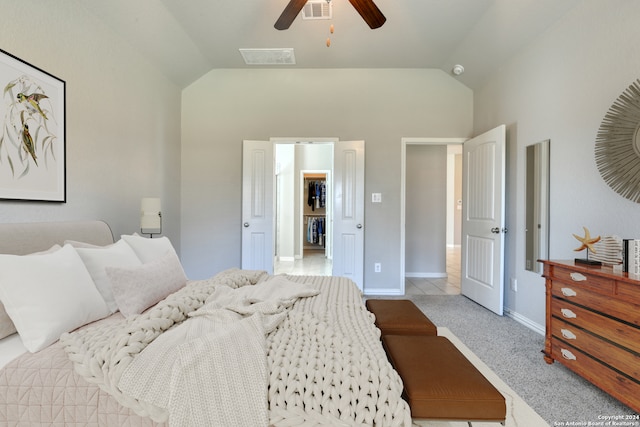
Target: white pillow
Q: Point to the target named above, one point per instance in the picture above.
(6, 325)
(78, 244)
(149, 249)
(97, 258)
(46, 295)
(137, 288)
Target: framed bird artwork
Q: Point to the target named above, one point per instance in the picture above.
(33, 134)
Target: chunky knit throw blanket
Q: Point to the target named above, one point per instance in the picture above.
(321, 358)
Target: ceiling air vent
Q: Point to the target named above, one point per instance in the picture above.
(279, 56)
(317, 9)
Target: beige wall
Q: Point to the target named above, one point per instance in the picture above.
(426, 211)
(560, 88)
(378, 106)
(122, 118)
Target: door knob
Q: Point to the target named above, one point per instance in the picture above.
(359, 226)
(495, 230)
(246, 224)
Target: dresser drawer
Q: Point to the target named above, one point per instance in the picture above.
(620, 333)
(628, 291)
(615, 307)
(619, 386)
(598, 284)
(608, 353)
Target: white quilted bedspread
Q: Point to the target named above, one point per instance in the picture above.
(44, 389)
(325, 364)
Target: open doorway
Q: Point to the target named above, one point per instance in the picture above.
(431, 212)
(303, 243)
(259, 206)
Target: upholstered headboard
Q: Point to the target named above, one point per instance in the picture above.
(26, 238)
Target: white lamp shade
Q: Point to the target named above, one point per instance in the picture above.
(150, 216)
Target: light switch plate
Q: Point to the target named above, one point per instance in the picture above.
(376, 197)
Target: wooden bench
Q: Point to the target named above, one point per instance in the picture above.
(440, 383)
(400, 317)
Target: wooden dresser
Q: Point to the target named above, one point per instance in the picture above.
(593, 326)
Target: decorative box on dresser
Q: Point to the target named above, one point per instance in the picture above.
(593, 326)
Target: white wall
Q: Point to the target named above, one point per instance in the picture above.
(377, 106)
(454, 195)
(122, 118)
(560, 88)
(285, 198)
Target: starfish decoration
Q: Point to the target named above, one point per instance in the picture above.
(587, 241)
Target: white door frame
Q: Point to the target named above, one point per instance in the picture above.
(403, 188)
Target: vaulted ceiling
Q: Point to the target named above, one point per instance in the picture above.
(187, 38)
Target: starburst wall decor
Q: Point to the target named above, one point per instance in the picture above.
(617, 149)
(32, 136)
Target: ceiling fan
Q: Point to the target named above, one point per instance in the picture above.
(366, 8)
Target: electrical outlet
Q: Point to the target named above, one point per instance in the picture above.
(377, 267)
(514, 284)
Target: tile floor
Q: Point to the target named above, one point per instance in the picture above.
(449, 285)
(315, 263)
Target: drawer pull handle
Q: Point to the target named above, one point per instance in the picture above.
(568, 313)
(577, 277)
(568, 334)
(567, 354)
(568, 292)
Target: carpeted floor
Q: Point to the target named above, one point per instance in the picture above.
(513, 352)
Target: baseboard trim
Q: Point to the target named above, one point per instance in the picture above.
(388, 291)
(426, 275)
(536, 327)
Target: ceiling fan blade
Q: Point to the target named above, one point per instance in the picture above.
(289, 14)
(369, 12)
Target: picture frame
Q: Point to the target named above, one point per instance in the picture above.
(32, 132)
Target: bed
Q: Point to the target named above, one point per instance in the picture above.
(154, 348)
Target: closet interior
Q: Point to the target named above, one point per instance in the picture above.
(315, 212)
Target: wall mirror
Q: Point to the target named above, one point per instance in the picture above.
(537, 205)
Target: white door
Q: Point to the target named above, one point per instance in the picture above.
(257, 205)
(483, 225)
(348, 216)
